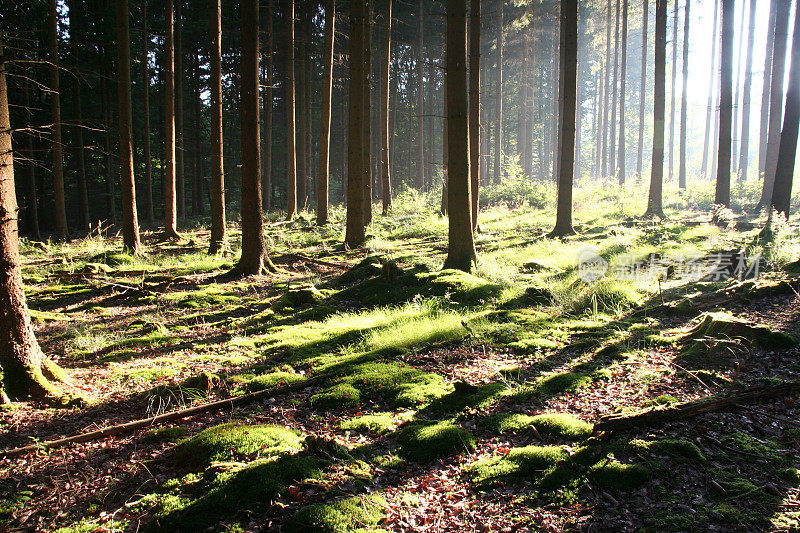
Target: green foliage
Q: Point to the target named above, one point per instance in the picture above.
(350, 514)
(230, 442)
(425, 442)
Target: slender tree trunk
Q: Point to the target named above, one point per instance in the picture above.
(461, 245)
(55, 117)
(180, 169)
(354, 234)
(420, 96)
(254, 260)
(671, 161)
(736, 85)
(75, 36)
(219, 230)
(655, 200)
(325, 118)
(198, 205)
(107, 113)
(22, 363)
(612, 147)
(568, 100)
(776, 100)
(33, 194)
(367, 95)
(498, 136)
(445, 144)
(475, 106)
(170, 200)
(643, 91)
(599, 134)
(302, 109)
(291, 130)
(766, 90)
(723, 192)
(130, 222)
(784, 171)
(269, 102)
(711, 86)
(744, 152)
(684, 98)
(148, 162)
(604, 145)
(582, 22)
(386, 170)
(621, 163)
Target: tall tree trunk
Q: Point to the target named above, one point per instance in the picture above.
(219, 231)
(386, 154)
(736, 85)
(498, 128)
(55, 117)
(180, 169)
(33, 194)
(710, 116)
(598, 118)
(254, 260)
(22, 363)
(744, 155)
(198, 205)
(776, 100)
(460, 245)
(643, 90)
(354, 233)
(582, 22)
(655, 200)
(475, 106)
(367, 95)
(76, 34)
(130, 222)
(612, 147)
(148, 163)
(325, 118)
(269, 102)
(108, 163)
(784, 171)
(766, 90)
(170, 200)
(684, 98)
(604, 144)
(568, 99)
(723, 191)
(621, 163)
(420, 96)
(291, 119)
(671, 161)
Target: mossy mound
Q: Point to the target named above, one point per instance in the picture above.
(563, 382)
(341, 395)
(537, 295)
(300, 297)
(272, 380)
(677, 448)
(425, 442)
(724, 327)
(664, 399)
(616, 475)
(170, 434)
(529, 462)
(605, 297)
(562, 425)
(230, 442)
(508, 422)
(376, 424)
(341, 516)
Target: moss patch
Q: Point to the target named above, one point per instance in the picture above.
(529, 462)
(425, 442)
(272, 380)
(341, 395)
(563, 382)
(230, 442)
(677, 448)
(616, 475)
(171, 434)
(350, 514)
(562, 425)
(377, 424)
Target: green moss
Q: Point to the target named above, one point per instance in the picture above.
(508, 422)
(228, 442)
(272, 380)
(529, 462)
(664, 399)
(725, 327)
(170, 434)
(300, 297)
(563, 382)
(341, 395)
(85, 525)
(425, 442)
(678, 448)
(616, 475)
(396, 385)
(562, 425)
(350, 514)
(605, 297)
(790, 475)
(378, 424)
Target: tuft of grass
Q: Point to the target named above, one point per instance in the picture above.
(231, 442)
(425, 442)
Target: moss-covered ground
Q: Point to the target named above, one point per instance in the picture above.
(451, 401)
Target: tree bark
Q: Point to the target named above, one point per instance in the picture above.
(744, 155)
(75, 36)
(671, 161)
(775, 100)
(460, 246)
(198, 204)
(367, 103)
(568, 87)
(475, 106)
(612, 147)
(655, 200)
(723, 189)
(291, 130)
(420, 96)
(643, 91)
(170, 201)
(148, 163)
(302, 109)
(269, 102)
(33, 193)
(766, 90)
(354, 233)
(684, 98)
(106, 103)
(498, 136)
(130, 222)
(254, 260)
(621, 164)
(386, 154)
(784, 171)
(55, 117)
(607, 86)
(710, 117)
(180, 169)
(736, 85)
(219, 230)
(325, 117)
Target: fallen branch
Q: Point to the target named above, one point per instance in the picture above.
(130, 427)
(656, 416)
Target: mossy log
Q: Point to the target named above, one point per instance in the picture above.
(724, 327)
(680, 411)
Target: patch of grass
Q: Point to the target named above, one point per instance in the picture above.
(425, 442)
(377, 424)
(230, 442)
(350, 514)
(529, 462)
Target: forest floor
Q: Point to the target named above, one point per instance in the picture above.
(454, 402)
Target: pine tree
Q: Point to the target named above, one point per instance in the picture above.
(219, 230)
(655, 200)
(56, 147)
(684, 98)
(325, 118)
(723, 189)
